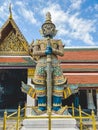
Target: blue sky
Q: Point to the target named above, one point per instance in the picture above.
(75, 20)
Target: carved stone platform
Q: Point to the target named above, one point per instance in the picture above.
(57, 124)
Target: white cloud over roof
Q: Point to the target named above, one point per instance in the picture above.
(26, 12)
(70, 19)
(71, 25)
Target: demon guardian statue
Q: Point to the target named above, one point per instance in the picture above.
(50, 84)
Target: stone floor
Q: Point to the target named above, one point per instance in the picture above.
(10, 123)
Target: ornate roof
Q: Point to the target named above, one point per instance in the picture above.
(87, 55)
(12, 42)
(16, 62)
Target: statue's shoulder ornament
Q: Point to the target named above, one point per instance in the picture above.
(40, 42)
(56, 43)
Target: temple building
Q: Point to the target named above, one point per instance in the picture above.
(16, 65)
(80, 66)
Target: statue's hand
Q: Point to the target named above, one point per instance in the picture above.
(24, 87)
(48, 50)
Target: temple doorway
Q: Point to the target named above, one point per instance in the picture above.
(77, 99)
(83, 99)
(10, 88)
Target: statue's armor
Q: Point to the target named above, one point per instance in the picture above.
(40, 72)
(44, 50)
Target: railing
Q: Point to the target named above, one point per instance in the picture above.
(14, 116)
(80, 117)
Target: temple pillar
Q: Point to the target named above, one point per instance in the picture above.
(30, 100)
(97, 101)
(90, 101)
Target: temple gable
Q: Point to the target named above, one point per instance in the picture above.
(12, 41)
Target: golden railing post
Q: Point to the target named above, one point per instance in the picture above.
(25, 110)
(18, 118)
(93, 120)
(49, 121)
(73, 111)
(4, 120)
(80, 114)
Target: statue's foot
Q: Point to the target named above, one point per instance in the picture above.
(37, 111)
(61, 111)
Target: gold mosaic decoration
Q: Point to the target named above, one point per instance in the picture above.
(14, 43)
(11, 43)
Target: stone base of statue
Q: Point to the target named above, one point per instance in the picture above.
(56, 123)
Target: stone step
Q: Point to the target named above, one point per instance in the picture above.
(56, 124)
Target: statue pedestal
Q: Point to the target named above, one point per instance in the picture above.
(56, 124)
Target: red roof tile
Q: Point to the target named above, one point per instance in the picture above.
(78, 55)
(12, 60)
(82, 79)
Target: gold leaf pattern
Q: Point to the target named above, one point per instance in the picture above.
(12, 43)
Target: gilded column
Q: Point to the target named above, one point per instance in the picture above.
(30, 100)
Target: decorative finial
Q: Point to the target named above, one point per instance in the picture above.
(10, 11)
(48, 16)
(0, 33)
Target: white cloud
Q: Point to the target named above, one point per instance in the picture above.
(62, 31)
(96, 16)
(71, 25)
(29, 15)
(89, 9)
(76, 4)
(67, 42)
(4, 10)
(81, 28)
(59, 17)
(92, 8)
(26, 13)
(96, 7)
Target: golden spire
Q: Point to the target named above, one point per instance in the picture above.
(10, 11)
(48, 16)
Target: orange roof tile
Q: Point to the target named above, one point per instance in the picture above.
(12, 59)
(82, 79)
(80, 55)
